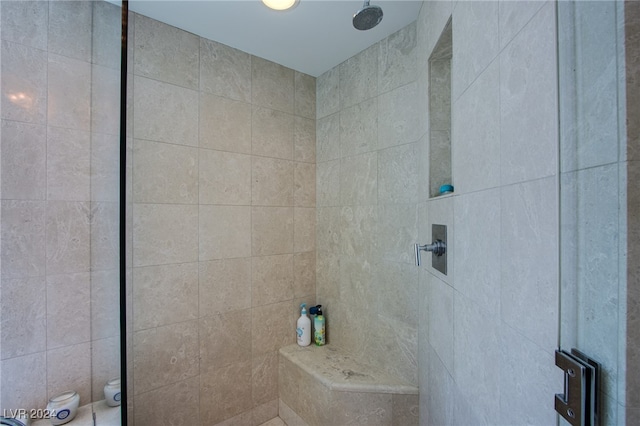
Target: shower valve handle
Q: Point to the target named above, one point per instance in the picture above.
(438, 247)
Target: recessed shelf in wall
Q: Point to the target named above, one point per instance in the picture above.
(440, 113)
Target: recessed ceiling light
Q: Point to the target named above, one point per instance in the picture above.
(280, 4)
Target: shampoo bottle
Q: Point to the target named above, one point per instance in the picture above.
(303, 328)
(319, 326)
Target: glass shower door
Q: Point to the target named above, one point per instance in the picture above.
(593, 192)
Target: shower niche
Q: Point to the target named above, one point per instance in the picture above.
(440, 113)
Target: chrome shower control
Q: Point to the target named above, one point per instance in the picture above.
(438, 248)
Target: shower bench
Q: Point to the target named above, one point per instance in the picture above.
(321, 386)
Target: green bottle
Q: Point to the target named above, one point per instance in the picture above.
(319, 335)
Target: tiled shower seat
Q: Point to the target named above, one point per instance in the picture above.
(325, 386)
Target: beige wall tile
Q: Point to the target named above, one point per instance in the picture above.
(315, 404)
(224, 124)
(271, 279)
(288, 382)
(164, 173)
(105, 304)
(156, 41)
(397, 232)
(304, 274)
(68, 164)
(106, 36)
(271, 230)
(265, 412)
(165, 355)
(528, 272)
(23, 239)
(68, 309)
(272, 133)
(69, 93)
(327, 275)
(272, 327)
(328, 93)
(476, 133)
(405, 410)
(105, 178)
(164, 112)
(397, 171)
(164, 294)
(359, 179)
(225, 392)
(177, 403)
(272, 85)
(24, 376)
(476, 224)
(225, 71)
(396, 288)
(359, 77)
(358, 226)
(225, 339)
(164, 233)
(25, 23)
(398, 119)
(328, 183)
(225, 178)
(370, 408)
(224, 232)
(397, 58)
(305, 95)
(224, 285)
(24, 83)
(105, 100)
(528, 145)
(304, 185)
(68, 237)
(540, 379)
(105, 364)
(70, 368)
(328, 232)
(24, 154)
(304, 139)
(264, 378)
(70, 29)
(359, 128)
(105, 241)
(476, 42)
(476, 328)
(328, 138)
(272, 182)
(23, 324)
(514, 16)
(304, 229)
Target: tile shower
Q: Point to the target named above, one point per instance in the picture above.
(232, 223)
(223, 225)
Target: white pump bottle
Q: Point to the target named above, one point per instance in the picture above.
(303, 328)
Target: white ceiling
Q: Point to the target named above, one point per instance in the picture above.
(312, 38)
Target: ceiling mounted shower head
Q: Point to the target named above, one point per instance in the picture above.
(367, 17)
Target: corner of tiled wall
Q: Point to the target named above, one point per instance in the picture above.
(367, 191)
(223, 225)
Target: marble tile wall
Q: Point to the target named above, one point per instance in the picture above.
(498, 303)
(497, 309)
(223, 226)
(59, 250)
(368, 131)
